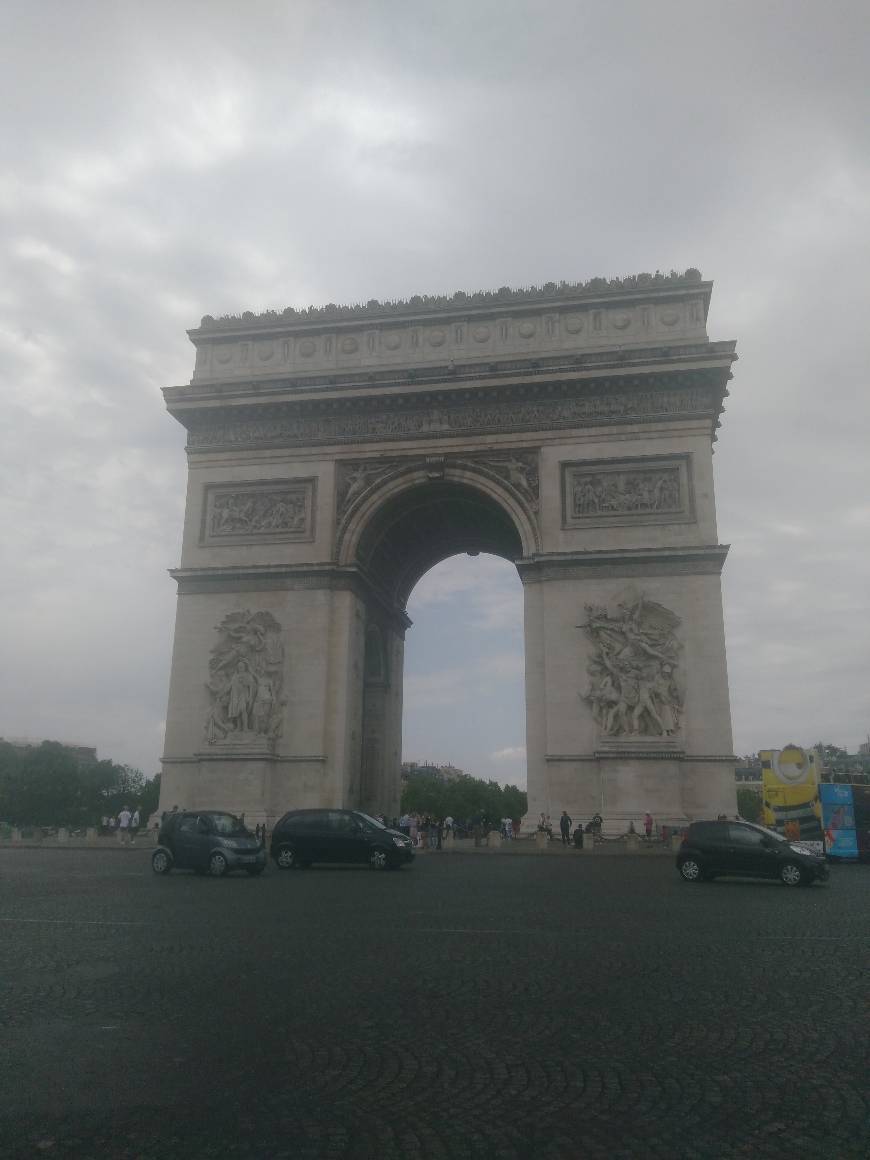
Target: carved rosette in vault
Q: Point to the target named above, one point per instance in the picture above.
(635, 685)
(246, 674)
(518, 470)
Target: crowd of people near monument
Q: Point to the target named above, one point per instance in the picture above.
(125, 826)
(428, 831)
(593, 828)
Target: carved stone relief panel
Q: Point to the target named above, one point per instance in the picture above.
(245, 681)
(635, 679)
(627, 491)
(261, 512)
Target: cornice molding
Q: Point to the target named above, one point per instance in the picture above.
(517, 407)
(286, 578)
(643, 755)
(707, 560)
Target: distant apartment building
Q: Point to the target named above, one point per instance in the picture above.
(411, 769)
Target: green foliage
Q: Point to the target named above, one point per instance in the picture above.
(463, 798)
(149, 798)
(749, 803)
(47, 785)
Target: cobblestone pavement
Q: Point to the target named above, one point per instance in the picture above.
(463, 1007)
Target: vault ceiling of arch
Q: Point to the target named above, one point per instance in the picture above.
(423, 526)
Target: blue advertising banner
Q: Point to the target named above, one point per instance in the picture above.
(838, 820)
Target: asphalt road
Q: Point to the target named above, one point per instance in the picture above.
(464, 1007)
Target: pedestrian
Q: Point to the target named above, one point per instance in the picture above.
(597, 823)
(448, 826)
(134, 825)
(648, 824)
(412, 828)
(515, 827)
(434, 833)
(124, 826)
(565, 827)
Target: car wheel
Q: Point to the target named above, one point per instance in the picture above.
(690, 868)
(791, 874)
(380, 860)
(217, 865)
(287, 858)
(161, 861)
(255, 871)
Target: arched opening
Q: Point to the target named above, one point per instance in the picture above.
(423, 525)
(398, 539)
(464, 673)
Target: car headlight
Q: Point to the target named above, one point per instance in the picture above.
(799, 849)
(400, 842)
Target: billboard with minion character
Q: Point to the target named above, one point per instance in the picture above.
(790, 784)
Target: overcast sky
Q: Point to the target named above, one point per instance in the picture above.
(162, 161)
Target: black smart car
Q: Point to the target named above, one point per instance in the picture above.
(745, 850)
(305, 836)
(208, 842)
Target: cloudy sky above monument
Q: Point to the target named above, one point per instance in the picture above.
(163, 161)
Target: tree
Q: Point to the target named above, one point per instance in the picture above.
(46, 785)
(749, 803)
(149, 797)
(463, 798)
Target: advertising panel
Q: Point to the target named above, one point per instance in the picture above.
(838, 820)
(790, 794)
(861, 805)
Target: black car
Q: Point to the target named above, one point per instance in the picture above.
(745, 850)
(208, 842)
(305, 836)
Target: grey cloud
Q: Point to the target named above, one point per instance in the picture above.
(164, 161)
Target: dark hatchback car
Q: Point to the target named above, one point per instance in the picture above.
(302, 837)
(744, 850)
(207, 842)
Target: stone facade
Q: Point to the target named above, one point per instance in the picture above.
(335, 455)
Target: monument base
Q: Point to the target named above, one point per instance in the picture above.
(623, 780)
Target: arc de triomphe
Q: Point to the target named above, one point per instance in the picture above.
(336, 454)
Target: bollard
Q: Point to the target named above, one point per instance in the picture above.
(588, 843)
(676, 842)
(542, 840)
(16, 835)
(63, 834)
(493, 839)
(91, 835)
(633, 843)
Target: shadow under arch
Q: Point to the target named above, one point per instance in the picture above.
(406, 524)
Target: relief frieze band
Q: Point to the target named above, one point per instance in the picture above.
(258, 512)
(627, 491)
(291, 426)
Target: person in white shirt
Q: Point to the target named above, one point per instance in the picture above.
(134, 826)
(124, 826)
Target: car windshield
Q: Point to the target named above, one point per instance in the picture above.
(227, 824)
(771, 833)
(372, 821)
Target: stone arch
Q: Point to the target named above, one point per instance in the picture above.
(407, 522)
